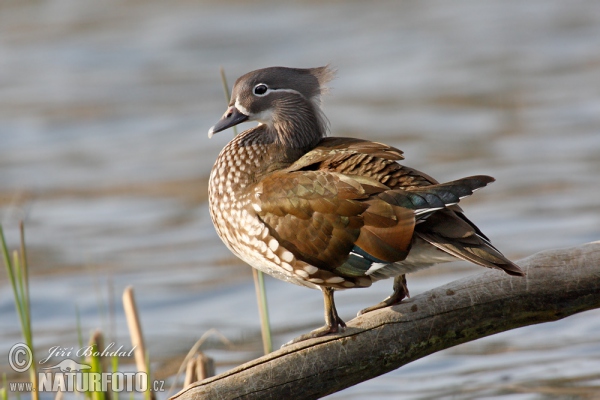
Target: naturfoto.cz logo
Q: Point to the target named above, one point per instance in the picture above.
(69, 375)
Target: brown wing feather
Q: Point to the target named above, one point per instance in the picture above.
(334, 151)
(457, 236)
(362, 158)
(320, 216)
(314, 214)
(388, 231)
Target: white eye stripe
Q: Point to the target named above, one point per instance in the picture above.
(269, 90)
(286, 90)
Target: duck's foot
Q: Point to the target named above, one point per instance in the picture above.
(340, 326)
(333, 322)
(400, 292)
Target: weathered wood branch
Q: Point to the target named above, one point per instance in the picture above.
(559, 283)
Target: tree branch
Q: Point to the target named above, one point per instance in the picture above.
(559, 283)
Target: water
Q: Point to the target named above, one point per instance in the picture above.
(104, 109)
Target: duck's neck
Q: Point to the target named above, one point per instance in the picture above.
(250, 156)
(297, 125)
(292, 132)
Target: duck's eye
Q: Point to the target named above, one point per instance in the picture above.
(260, 89)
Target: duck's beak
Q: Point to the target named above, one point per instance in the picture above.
(232, 117)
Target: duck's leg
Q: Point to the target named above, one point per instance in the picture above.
(400, 292)
(333, 322)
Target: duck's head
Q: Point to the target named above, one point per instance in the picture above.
(285, 100)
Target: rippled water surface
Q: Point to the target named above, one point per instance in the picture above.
(104, 109)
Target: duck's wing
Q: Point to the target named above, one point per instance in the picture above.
(446, 228)
(342, 224)
(357, 157)
(453, 233)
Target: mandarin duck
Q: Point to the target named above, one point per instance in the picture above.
(331, 213)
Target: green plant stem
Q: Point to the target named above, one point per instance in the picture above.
(263, 311)
(19, 279)
(25, 265)
(227, 94)
(4, 390)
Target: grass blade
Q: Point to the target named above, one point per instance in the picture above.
(227, 94)
(19, 279)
